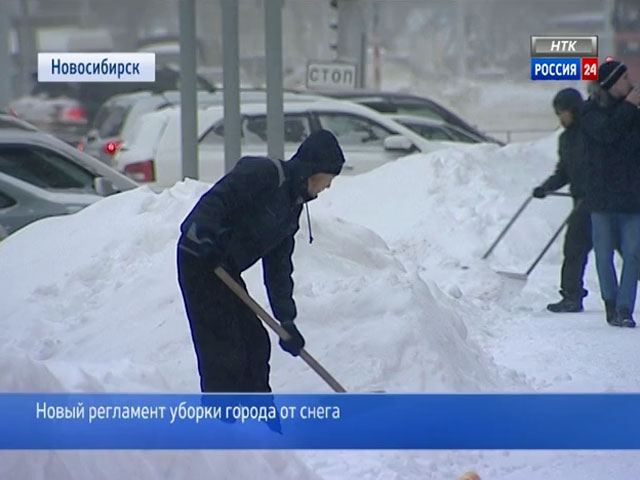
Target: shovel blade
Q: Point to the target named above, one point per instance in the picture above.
(512, 286)
(516, 276)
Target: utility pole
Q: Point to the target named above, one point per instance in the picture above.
(28, 50)
(461, 38)
(188, 100)
(231, 83)
(5, 55)
(606, 42)
(273, 56)
(352, 37)
(377, 78)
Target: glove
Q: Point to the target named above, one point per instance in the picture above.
(295, 343)
(539, 192)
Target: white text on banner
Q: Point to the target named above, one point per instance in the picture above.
(96, 67)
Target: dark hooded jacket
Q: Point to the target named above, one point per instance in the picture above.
(612, 136)
(572, 164)
(253, 213)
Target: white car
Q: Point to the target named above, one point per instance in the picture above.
(138, 142)
(368, 139)
(436, 130)
(137, 156)
(116, 120)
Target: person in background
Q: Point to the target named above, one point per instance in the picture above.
(251, 214)
(610, 121)
(571, 169)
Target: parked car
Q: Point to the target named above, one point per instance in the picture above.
(8, 120)
(43, 176)
(106, 133)
(93, 95)
(136, 156)
(407, 104)
(67, 109)
(62, 116)
(368, 139)
(140, 137)
(52, 162)
(22, 203)
(116, 119)
(435, 129)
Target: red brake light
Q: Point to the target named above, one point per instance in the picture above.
(141, 171)
(111, 147)
(72, 115)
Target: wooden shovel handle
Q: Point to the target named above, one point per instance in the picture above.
(275, 326)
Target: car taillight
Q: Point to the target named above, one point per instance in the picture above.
(72, 115)
(111, 147)
(141, 171)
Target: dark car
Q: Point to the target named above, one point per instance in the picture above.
(53, 109)
(41, 176)
(22, 203)
(8, 120)
(436, 129)
(407, 104)
(66, 110)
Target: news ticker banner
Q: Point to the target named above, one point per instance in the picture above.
(564, 58)
(96, 67)
(330, 421)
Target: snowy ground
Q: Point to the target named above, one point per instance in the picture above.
(392, 294)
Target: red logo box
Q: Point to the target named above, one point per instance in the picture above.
(589, 68)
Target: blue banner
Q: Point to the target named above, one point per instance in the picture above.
(555, 68)
(332, 421)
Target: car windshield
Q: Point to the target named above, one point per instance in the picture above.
(5, 202)
(400, 107)
(430, 132)
(43, 168)
(11, 122)
(461, 136)
(419, 111)
(254, 129)
(110, 119)
(354, 130)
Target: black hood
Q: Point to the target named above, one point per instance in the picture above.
(319, 153)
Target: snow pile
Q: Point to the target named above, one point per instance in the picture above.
(449, 206)
(101, 305)
(97, 465)
(391, 295)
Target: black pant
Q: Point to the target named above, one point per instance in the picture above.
(577, 245)
(232, 347)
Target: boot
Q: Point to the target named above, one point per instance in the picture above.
(612, 315)
(566, 305)
(625, 319)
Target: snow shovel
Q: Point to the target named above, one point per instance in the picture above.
(505, 229)
(524, 276)
(275, 326)
(515, 217)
